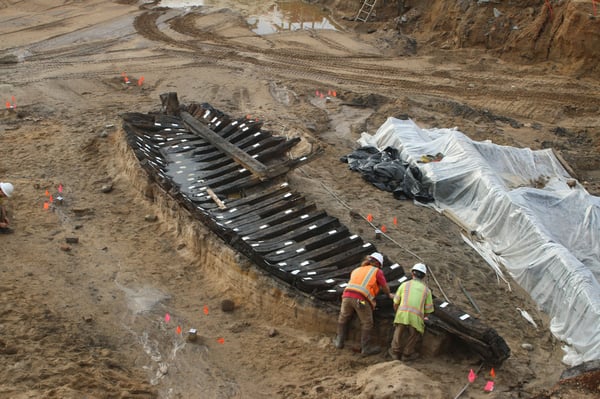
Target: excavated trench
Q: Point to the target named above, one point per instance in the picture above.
(218, 180)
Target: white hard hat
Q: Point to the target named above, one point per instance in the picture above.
(7, 189)
(378, 257)
(420, 267)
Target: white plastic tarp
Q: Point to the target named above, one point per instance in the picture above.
(529, 214)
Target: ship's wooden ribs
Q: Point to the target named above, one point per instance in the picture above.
(283, 206)
(338, 265)
(265, 193)
(494, 348)
(242, 183)
(200, 150)
(270, 205)
(185, 157)
(265, 150)
(204, 174)
(307, 245)
(311, 228)
(394, 274)
(277, 231)
(234, 212)
(233, 133)
(241, 124)
(184, 145)
(144, 122)
(277, 219)
(245, 131)
(213, 118)
(316, 255)
(210, 164)
(256, 167)
(205, 157)
(222, 179)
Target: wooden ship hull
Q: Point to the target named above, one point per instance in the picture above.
(230, 174)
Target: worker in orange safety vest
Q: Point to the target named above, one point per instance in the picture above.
(359, 297)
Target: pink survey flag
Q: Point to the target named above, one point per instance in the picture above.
(489, 386)
(472, 376)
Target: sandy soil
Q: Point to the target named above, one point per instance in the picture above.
(89, 319)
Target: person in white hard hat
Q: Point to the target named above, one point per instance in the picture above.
(413, 302)
(6, 190)
(359, 297)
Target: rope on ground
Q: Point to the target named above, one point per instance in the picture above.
(464, 290)
(468, 383)
(419, 258)
(493, 261)
(384, 234)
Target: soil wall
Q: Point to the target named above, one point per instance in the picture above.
(527, 31)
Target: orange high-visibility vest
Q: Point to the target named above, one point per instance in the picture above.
(363, 280)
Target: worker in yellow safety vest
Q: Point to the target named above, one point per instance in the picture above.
(413, 302)
(359, 297)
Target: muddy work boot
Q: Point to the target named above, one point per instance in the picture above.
(339, 339)
(393, 354)
(411, 357)
(366, 349)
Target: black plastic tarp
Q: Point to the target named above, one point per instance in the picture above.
(386, 171)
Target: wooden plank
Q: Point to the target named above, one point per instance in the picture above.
(255, 167)
(279, 231)
(216, 199)
(564, 163)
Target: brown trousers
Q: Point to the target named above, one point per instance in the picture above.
(412, 340)
(3, 215)
(363, 311)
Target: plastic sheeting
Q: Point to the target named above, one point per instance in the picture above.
(528, 214)
(386, 171)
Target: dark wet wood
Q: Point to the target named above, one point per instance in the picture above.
(255, 167)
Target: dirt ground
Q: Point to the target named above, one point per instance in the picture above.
(98, 318)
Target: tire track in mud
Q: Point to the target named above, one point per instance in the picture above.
(329, 43)
(362, 70)
(146, 25)
(186, 25)
(399, 81)
(37, 71)
(366, 71)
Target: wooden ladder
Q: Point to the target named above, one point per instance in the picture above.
(365, 10)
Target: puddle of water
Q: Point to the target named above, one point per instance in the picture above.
(268, 17)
